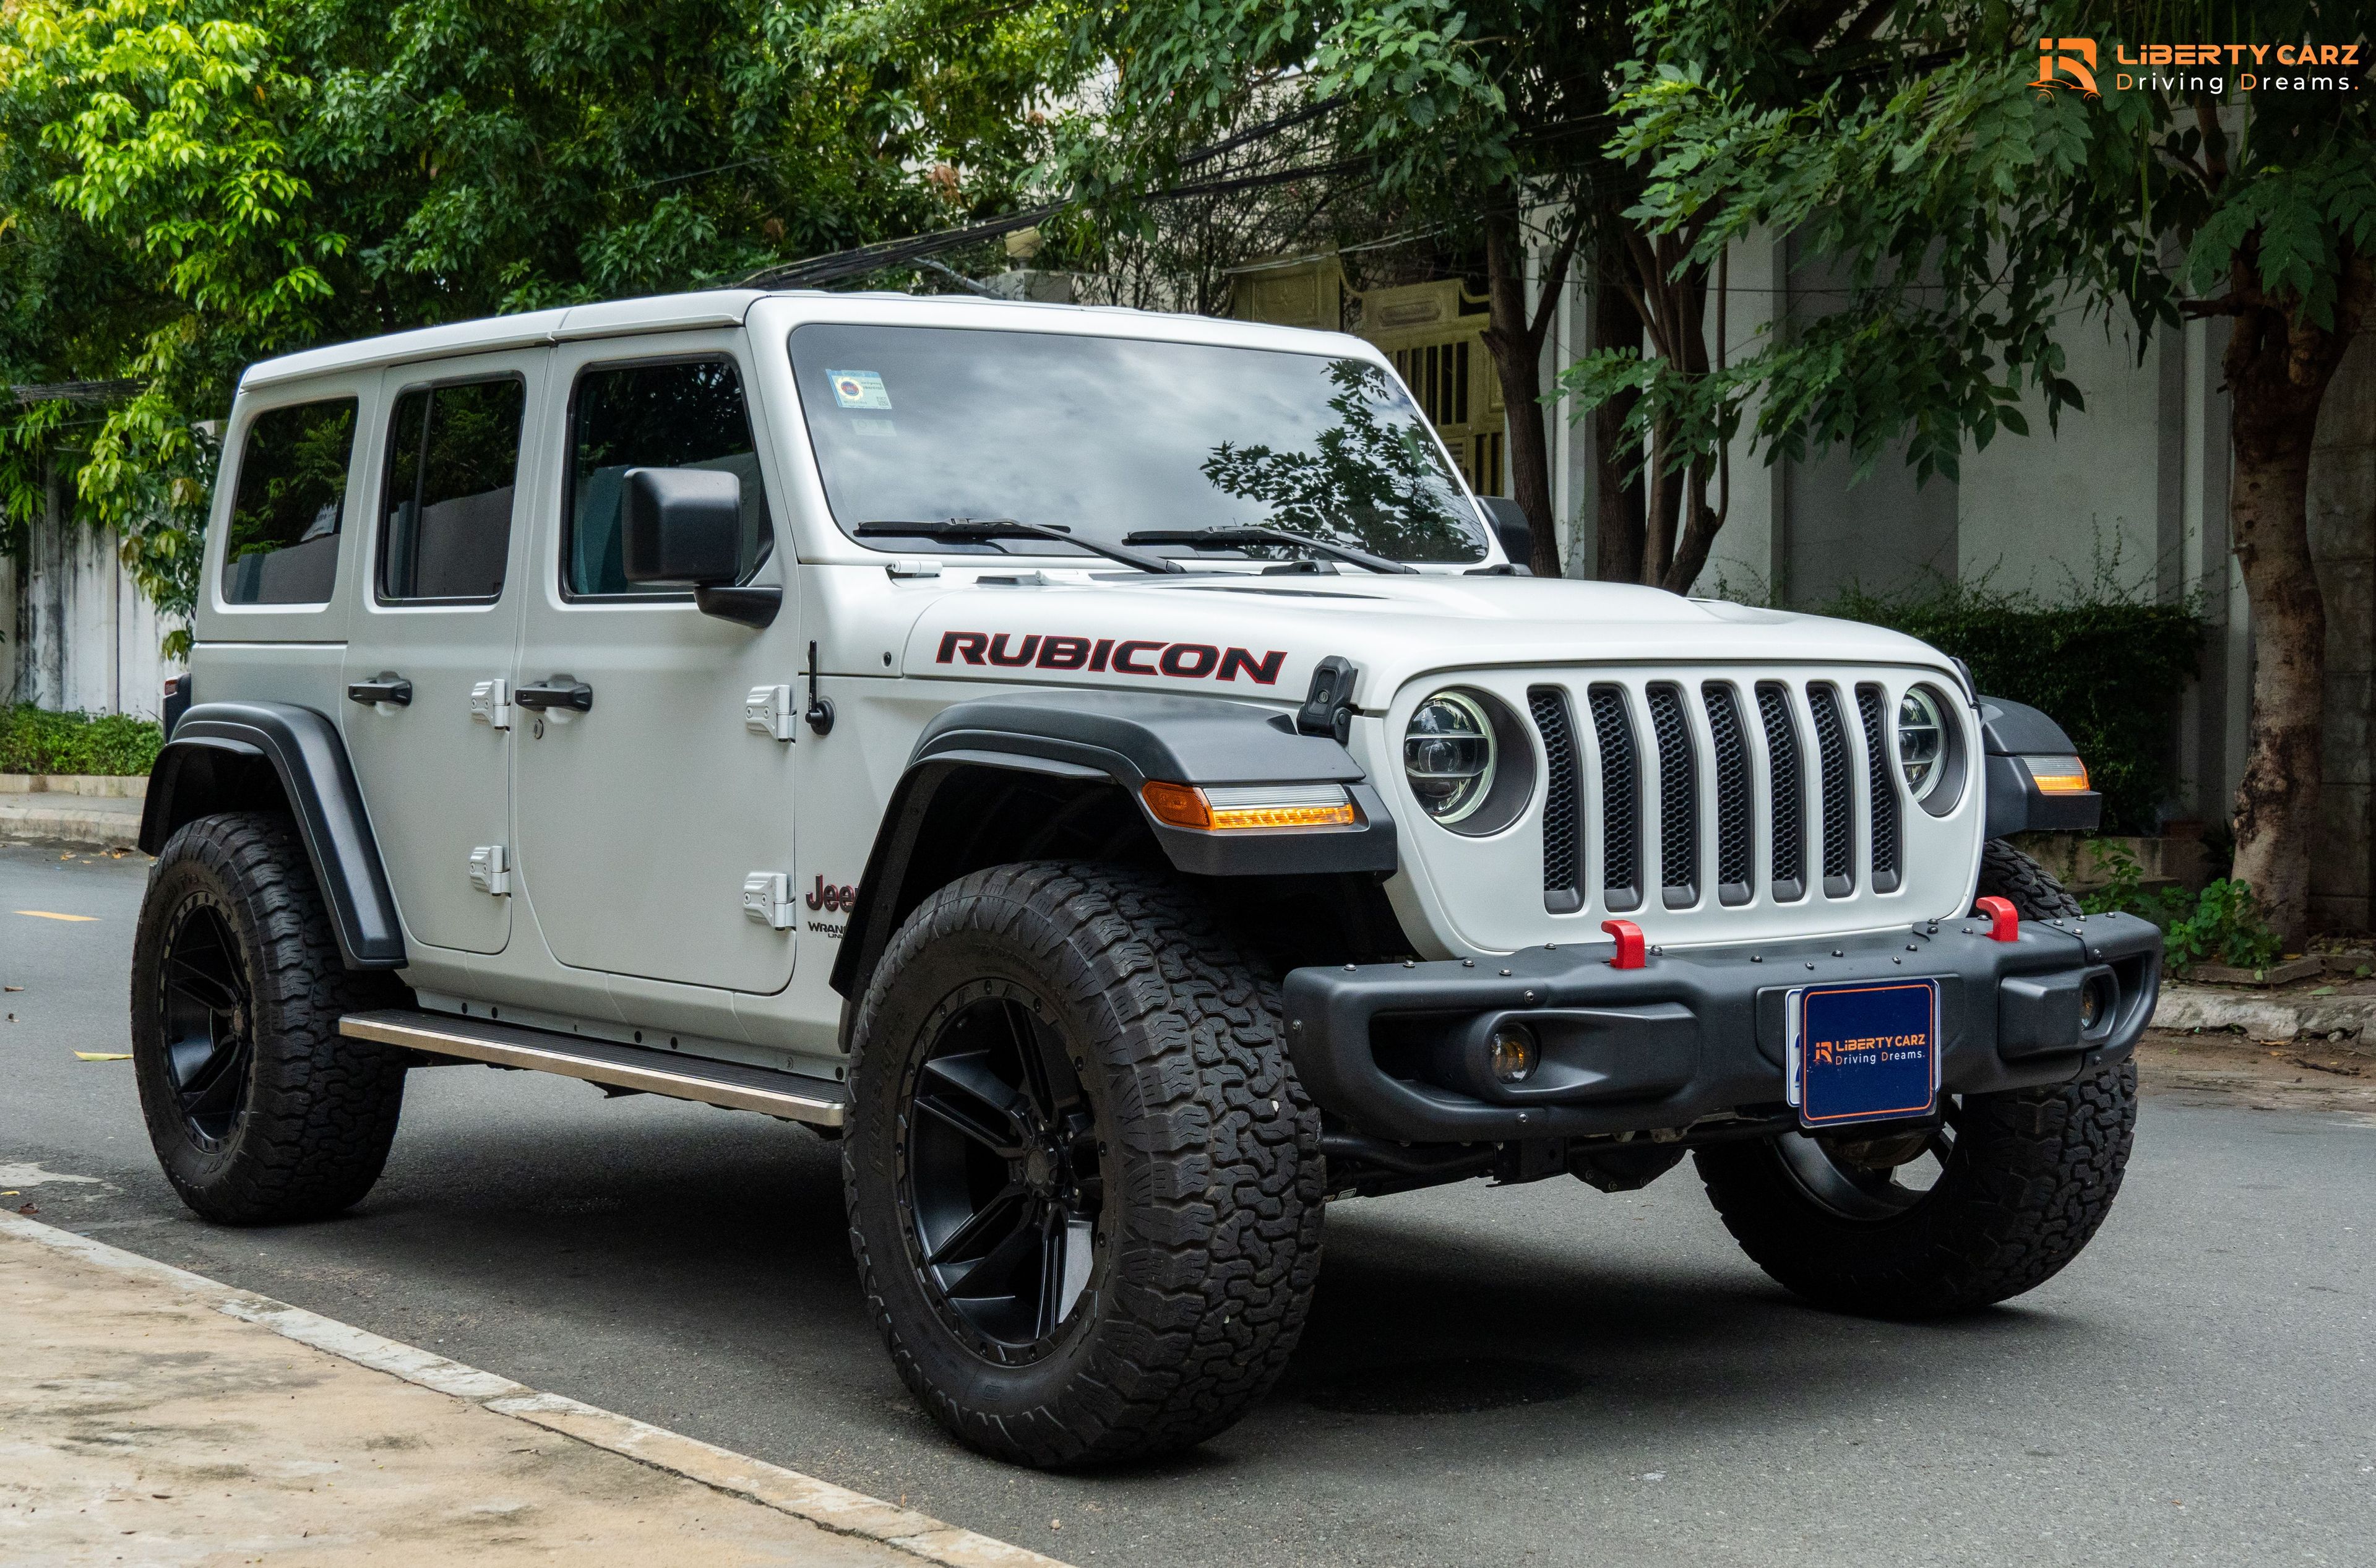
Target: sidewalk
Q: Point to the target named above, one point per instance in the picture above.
(99, 820)
(151, 1417)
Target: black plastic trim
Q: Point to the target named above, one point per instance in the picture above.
(309, 759)
(1122, 739)
(1693, 1033)
(2015, 804)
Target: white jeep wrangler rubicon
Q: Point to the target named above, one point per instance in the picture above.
(1105, 769)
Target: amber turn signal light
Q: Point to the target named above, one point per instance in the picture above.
(1234, 808)
(2057, 775)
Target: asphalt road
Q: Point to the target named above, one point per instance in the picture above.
(1542, 1375)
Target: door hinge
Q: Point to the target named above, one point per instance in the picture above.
(491, 703)
(768, 711)
(491, 870)
(767, 898)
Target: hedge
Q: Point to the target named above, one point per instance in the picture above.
(34, 740)
(2108, 669)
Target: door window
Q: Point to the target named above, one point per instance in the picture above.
(283, 547)
(689, 414)
(453, 458)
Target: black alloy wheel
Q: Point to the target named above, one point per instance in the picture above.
(1001, 1175)
(206, 1016)
(260, 1111)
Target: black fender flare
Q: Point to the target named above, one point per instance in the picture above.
(1124, 738)
(2010, 730)
(209, 766)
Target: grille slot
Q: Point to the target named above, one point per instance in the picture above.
(1621, 800)
(1678, 798)
(1882, 786)
(1735, 847)
(1787, 777)
(1562, 819)
(1839, 791)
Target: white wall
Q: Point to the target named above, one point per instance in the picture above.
(81, 634)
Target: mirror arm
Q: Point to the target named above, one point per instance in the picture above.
(752, 605)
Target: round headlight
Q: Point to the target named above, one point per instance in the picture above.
(1449, 756)
(1921, 741)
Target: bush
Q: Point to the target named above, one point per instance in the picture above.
(34, 740)
(2222, 924)
(2109, 669)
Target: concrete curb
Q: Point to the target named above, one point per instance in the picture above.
(2263, 1016)
(818, 1503)
(96, 823)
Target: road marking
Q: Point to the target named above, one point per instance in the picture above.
(48, 915)
(103, 1056)
(788, 1492)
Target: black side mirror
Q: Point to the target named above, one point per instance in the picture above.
(681, 526)
(1510, 526)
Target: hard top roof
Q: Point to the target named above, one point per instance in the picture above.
(667, 313)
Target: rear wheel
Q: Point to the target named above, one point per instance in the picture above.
(1993, 1202)
(1083, 1183)
(259, 1110)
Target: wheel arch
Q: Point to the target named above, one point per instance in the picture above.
(274, 756)
(1058, 775)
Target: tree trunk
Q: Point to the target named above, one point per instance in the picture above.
(1515, 341)
(1618, 510)
(2278, 372)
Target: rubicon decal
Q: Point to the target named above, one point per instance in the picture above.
(1126, 655)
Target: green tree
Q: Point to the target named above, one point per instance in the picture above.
(187, 185)
(1478, 117)
(1975, 214)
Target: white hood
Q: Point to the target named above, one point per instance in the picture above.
(1259, 637)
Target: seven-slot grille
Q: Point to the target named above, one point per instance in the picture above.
(1831, 818)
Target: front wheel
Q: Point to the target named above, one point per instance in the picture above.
(1084, 1186)
(1992, 1202)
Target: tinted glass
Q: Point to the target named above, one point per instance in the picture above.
(452, 457)
(1106, 435)
(654, 416)
(284, 516)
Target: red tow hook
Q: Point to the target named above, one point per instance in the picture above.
(2004, 920)
(1630, 951)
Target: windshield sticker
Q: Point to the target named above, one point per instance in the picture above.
(858, 389)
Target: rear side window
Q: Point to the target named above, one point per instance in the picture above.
(453, 458)
(686, 415)
(284, 516)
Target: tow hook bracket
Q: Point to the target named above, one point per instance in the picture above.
(2004, 920)
(1631, 954)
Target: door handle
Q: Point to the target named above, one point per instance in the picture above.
(557, 691)
(386, 686)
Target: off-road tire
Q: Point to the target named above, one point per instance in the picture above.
(2032, 1175)
(1209, 1238)
(319, 1110)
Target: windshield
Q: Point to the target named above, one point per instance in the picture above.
(1107, 436)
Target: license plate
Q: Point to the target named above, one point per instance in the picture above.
(1863, 1052)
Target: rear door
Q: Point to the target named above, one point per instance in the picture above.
(643, 817)
(438, 625)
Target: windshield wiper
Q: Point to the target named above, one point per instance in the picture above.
(988, 529)
(1223, 539)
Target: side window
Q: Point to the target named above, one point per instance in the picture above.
(284, 516)
(686, 415)
(453, 457)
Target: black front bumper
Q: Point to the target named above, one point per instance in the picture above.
(1400, 1050)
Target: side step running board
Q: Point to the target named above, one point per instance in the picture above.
(729, 1084)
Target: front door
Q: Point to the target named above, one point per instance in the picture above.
(643, 817)
(439, 619)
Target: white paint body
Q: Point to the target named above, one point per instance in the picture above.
(632, 830)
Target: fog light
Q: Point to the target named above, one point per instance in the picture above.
(1513, 1054)
(2095, 1003)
